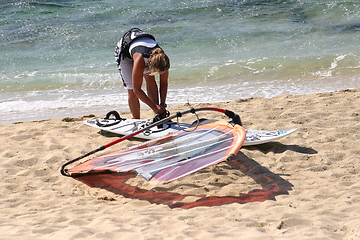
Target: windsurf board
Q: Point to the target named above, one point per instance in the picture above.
(128, 126)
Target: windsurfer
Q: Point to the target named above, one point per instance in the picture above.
(139, 56)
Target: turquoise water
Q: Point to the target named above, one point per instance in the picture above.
(57, 56)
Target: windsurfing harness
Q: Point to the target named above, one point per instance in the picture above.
(122, 48)
(173, 156)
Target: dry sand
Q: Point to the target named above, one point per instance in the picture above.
(319, 165)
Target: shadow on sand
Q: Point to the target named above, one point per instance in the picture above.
(272, 184)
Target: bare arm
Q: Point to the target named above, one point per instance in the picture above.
(137, 80)
(163, 86)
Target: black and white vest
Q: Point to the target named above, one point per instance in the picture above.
(123, 46)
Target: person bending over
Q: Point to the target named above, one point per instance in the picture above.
(139, 57)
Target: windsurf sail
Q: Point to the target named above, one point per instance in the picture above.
(173, 156)
(235, 120)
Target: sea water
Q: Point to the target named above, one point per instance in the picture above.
(57, 60)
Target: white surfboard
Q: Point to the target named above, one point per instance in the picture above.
(128, 126)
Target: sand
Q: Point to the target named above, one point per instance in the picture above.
(318, 166)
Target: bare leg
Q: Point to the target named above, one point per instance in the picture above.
(134, 104)
(152, 89)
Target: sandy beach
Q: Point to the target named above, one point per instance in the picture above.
(317, 170)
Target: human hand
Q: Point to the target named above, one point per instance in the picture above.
(159, 110)
(161, 116)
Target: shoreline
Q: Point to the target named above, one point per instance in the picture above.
(56, 108)
(100, 112)
(318, 164)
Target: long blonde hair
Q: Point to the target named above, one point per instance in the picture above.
(158, 61)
